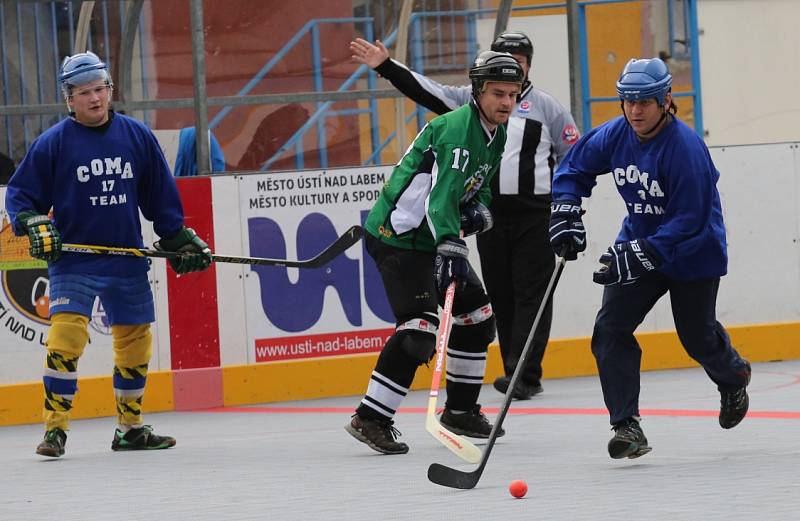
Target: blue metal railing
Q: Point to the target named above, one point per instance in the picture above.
(417, 21)
(375, 157)
(419, 24)
(5, 74)
(672, 15)
(588, 99)
(322, 108)
(22, 82)
(39, 58)
(694, 49)
(307, 28)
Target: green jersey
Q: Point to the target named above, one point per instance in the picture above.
(450, 163)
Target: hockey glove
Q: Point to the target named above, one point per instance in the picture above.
(194, 252)
(451, 264)
(623, 263)
(42, 234)
(475, 218)
(567, 235)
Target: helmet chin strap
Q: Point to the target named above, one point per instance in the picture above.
(480, 109)
(660, 120)
(525, 84)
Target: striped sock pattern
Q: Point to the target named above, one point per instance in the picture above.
(60, 385)
(129, 385)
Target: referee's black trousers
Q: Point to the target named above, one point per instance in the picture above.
(516, 263)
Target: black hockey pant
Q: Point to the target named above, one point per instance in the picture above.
(408, 277)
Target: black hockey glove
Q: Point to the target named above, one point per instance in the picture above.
(42, 234)
(625, 262)
(567, 235)
(194, 252)
(475, 218)
(451, 264)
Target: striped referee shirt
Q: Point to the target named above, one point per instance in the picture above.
(540, 132)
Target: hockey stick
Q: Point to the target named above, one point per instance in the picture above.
(453, 478)
(349, 238)
(459, 446)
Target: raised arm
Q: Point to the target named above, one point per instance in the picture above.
(368, 54)
(430, 94)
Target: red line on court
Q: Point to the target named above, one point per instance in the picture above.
(544, 411)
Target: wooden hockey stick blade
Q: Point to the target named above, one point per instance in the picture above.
(454, 478)
(349, 238)
(458, 445)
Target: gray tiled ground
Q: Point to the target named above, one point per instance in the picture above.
(304, 466)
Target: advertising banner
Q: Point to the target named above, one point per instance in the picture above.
(25, 309)
(24, 321)
(338, 309)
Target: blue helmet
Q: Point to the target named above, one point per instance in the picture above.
(80, 69)
(644, 79)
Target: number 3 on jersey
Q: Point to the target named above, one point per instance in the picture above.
(460, 159)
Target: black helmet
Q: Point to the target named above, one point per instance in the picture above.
(514, 42)
(494, 66)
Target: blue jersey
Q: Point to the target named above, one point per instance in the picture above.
(669, 185)
(96, 181)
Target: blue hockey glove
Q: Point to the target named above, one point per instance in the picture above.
(567, 235)
(475, 218)
(451, 264)
(42, 234)
(194, 252)
(623, 263)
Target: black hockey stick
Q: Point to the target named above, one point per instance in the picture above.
(349, 238)
(453, 478)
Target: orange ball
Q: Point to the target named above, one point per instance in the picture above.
(518, 488)
(43, 306)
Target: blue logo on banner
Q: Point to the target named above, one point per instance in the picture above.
(297, 306)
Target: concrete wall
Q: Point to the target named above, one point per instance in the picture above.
(749, 52)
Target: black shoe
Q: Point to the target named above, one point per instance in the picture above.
(53, 443)
(380, 435)
(522, 391)
(472, 423)
(141, 438)
(734, 405)
(628, 441)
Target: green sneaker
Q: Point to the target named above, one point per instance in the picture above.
(53, 443)
(141, 438)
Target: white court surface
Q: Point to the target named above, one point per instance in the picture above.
(295, 461)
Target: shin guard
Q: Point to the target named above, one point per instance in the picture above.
(66, 340)
(466, 357)
(411, 345)
(132, 350)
